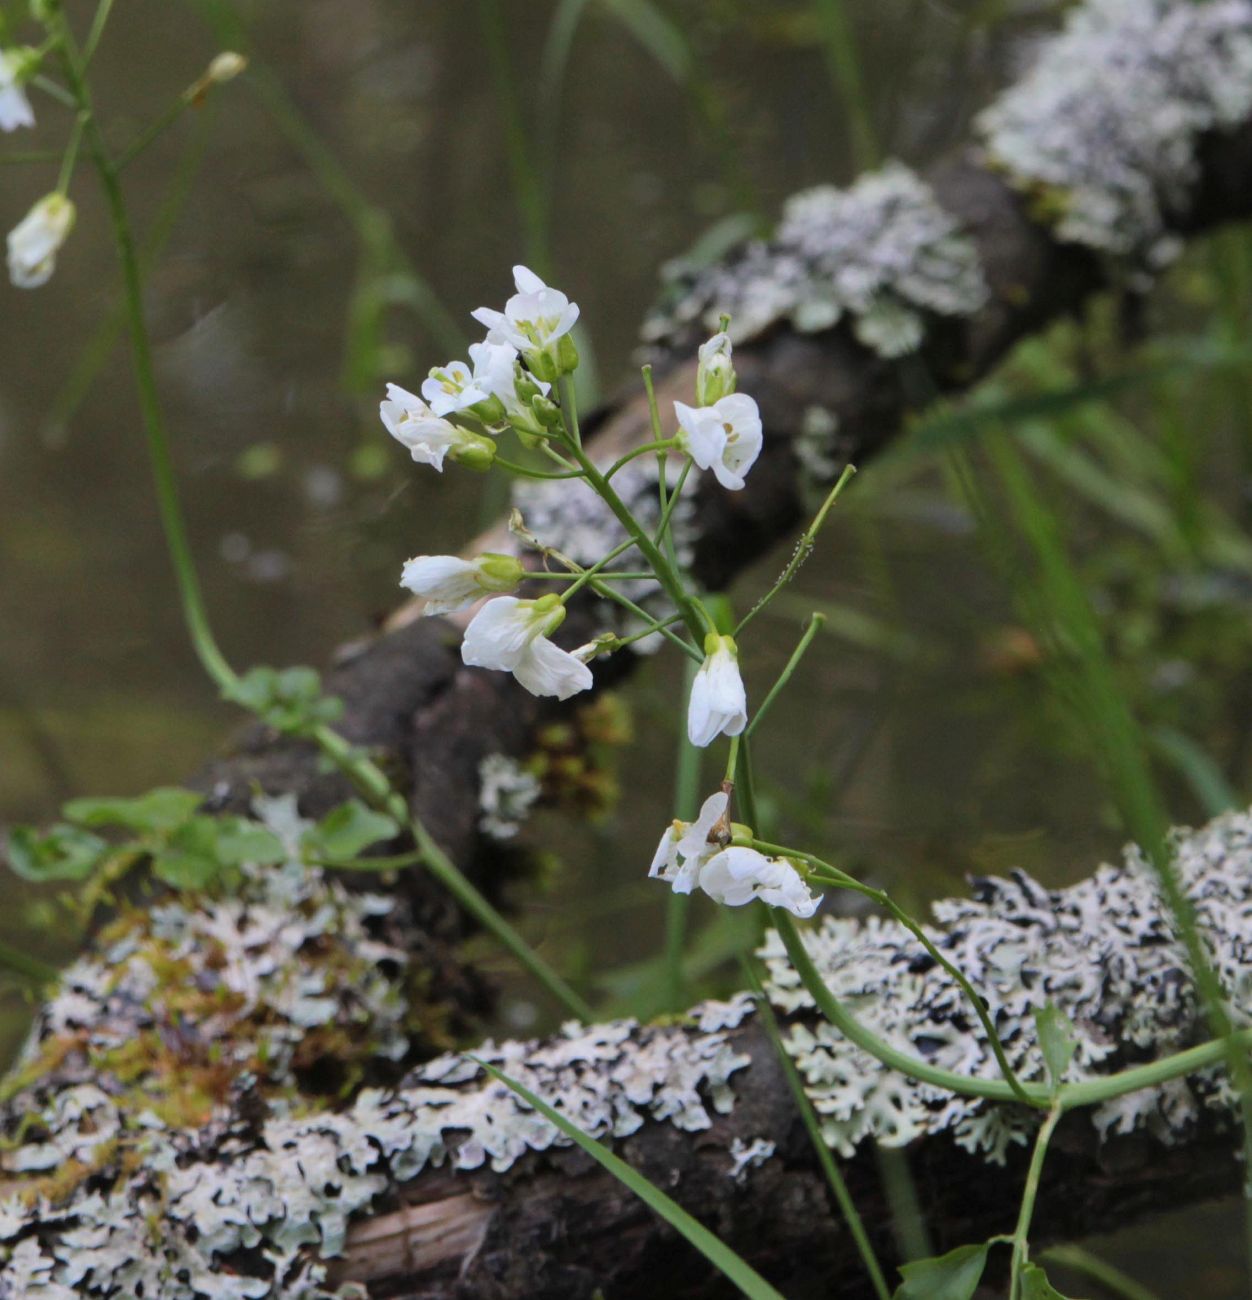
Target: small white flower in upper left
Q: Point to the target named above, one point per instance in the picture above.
(35, 241)
(718, 704)
(725, 437)
(511, 635)
(536, 321)
(15, 109)
(448, 583)
(452, 388)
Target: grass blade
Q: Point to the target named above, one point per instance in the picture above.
(720, 1255)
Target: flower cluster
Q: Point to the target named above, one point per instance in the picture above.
(513, 384)
(700, 855)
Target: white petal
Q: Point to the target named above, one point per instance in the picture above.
(665, 859)
(498, 634)
(695, 840)
(705, 438)
(546, 669)
(527, 281)
(718, 702)
(446, 582)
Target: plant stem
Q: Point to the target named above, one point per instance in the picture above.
(815, 625)
(1021, 1246)
(803, 547)
(813, 1127)
(686, 796)
(362, 771)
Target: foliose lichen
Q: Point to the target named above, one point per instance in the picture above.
(506, 794)
(1104, 951)
(1103, 131)
(254, 1207)
(883, 254)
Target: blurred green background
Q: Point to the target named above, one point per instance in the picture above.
(1040, 597)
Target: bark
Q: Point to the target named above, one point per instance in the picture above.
(551, 1223)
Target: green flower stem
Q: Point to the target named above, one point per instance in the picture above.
(803, 548)
(843, 881)
(663, 536)
(363, 772)
(660, 446)
(586, 575)
(524, 471)
(601, 588)
(71, 156)
(905, 1063)
(98, 22)
(814, 627)
(569, 412)
(1021, 1248)
(697, 621)
(615, 575)
(374, 785)
(660, 625)
(813, 1127)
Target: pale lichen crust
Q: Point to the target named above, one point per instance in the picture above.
(1103, 131)
(253, 1205)
(882, 254)
(506, 794)
(1103, 951)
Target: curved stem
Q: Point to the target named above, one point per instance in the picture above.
(1021, 1247)
(364, 773)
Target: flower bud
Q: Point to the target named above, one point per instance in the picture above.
(35, 241)
(473, 450)
(226, 67)
(715, 374)
(546, 411)
(499, 572)
(567, 354)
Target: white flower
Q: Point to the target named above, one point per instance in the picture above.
(715, 373)
(452, 388)
(511, 635)
(535, 321)
(725, 437)
(737, 875)
(448, 583)
(15, 109)
(497, 372)
(429, 437)
(718, 703)
(685, 846)
(36, 239)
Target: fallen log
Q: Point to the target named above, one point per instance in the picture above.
(172, 1124)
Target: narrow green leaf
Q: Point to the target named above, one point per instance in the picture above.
(735, 1269)
(954, 1276)
(1057, 1041)
(62, 853)
(158, 810)
(348, 830)
(1035, 1285)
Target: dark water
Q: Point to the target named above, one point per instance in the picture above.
(302, 513)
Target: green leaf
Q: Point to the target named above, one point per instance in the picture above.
(158, 810)
(954, 1276)
(189, 859)
(1057, 1041)
(347, 830)
(1035, 1285)
(289, 700)
(240, 840)
(734, 1268)
(62, 853)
